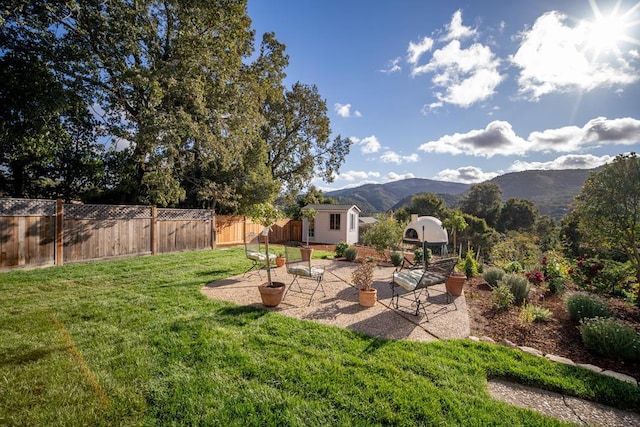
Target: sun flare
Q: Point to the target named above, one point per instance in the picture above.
(605, 33)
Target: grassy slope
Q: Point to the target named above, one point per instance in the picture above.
(133, 342)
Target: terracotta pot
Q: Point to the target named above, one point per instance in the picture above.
(367, 298)
(306, 253)
(271, 295)
(454, 285)
(280, 261)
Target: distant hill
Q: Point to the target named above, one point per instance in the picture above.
(550, 190)
(375, 198)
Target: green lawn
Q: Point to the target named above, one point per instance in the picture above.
(133, 342)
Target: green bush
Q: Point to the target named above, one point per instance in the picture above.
(518, 285)
(502, 296)
(556, 285)
(583, 305)
(470, 265)
(609, 337)
(384, 234)
(418, 256)
(397, 258)
(513, 267)
(350, 253)
(493, 275)
(340, 248)
(534, 313)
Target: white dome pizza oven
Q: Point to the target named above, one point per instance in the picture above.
(428, 232)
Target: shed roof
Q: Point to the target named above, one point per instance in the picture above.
(330, 207)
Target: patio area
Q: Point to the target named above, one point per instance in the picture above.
(340, 306)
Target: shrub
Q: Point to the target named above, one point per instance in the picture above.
(384, 234)
(340, 248)
(609, 337)
(470, 265)
(350, 253)
(513, 267)
(534, 277)
(556, 285)
(493, 275)
(554, 271)
(534, 313)
(502, 296)
(519, 286)
(396, 259)
(418, 256)
(582, 305)
(587, 271)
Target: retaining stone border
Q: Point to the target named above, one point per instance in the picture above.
(560, 359)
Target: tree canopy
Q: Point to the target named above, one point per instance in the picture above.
(173, 85)
(608, 208)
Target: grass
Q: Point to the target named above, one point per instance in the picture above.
(134, 342)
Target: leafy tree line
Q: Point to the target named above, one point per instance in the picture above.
(155, 102)
(602, 231)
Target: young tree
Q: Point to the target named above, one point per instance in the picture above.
(608, 208)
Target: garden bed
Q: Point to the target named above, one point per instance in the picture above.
(559, 335)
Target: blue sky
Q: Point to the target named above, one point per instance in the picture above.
(466, 90)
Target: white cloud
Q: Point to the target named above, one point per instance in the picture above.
(468, 75)
(465, 175)
(571, 161)
(368, 145)
(416, 50)
(598, 131)
(497, 138)
(344, 110)
(392, 176)
(555, 57)
(455, 29)
(393, 157)
(393, 66)
(352, 175)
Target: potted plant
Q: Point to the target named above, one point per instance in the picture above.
(309, 214)
(455, 283)
(266, 214)
(280, 259)
(363, 279)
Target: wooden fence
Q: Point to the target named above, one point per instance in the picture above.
(48, 232)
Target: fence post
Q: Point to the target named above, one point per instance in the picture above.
(154, 224)
(214, 229)
(59, 252)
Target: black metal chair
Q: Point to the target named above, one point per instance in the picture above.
(416, 283)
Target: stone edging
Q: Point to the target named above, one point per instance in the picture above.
(617, 375)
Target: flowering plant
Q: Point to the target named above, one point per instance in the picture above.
(587, 271)
(535, 277)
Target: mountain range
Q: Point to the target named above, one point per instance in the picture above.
(550, 190)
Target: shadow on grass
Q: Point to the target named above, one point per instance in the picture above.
(241, 315)
(33, 355)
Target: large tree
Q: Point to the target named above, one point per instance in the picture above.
(297, 135)
(517, 215)
(47, 140)
(170, 80)
(483, 201)
(608, 208)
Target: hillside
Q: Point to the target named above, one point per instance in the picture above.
(373, 198)
(551, 191)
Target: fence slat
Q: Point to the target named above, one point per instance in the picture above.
(48, 232)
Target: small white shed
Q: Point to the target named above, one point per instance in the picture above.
(332, 224)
